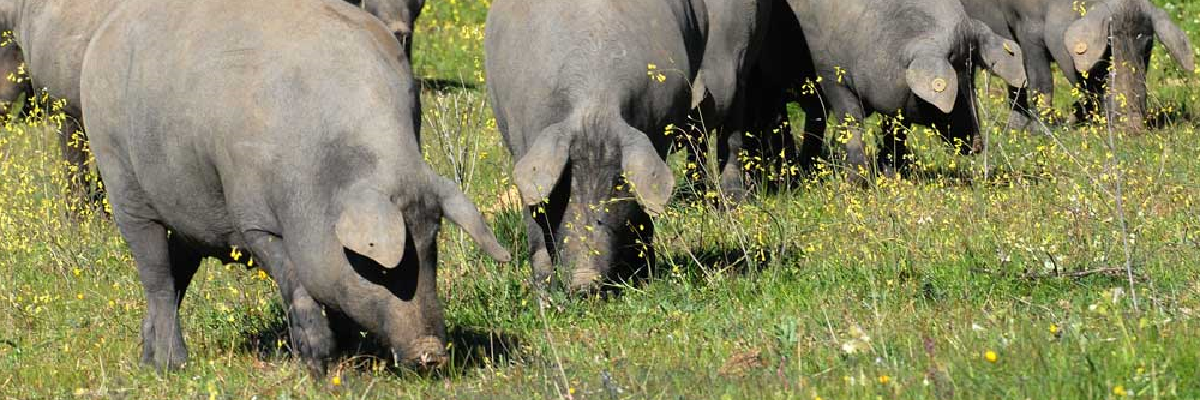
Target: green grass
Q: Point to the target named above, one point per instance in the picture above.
(899, 290)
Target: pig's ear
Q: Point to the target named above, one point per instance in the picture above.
(650, 177)
(538, 170)
(933, 79)
(462, 212)
(1087, 38)
(1000, 55)
(371, 225)
(1175, 40)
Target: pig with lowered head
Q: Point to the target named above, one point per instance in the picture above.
(1102, 46)
(912, 59)
(300, 146)
(582, 92)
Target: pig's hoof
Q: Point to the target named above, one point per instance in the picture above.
(165, 360)
(858, 172)
(584, 280)
(542, 282)
(733, 187)
(543, 271)
(163, 353)
(315, 347)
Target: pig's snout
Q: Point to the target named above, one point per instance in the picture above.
(427, 352)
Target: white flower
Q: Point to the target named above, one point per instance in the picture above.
(848, 347)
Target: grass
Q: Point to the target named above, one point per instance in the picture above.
(951, 284)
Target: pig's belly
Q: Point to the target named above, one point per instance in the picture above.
(192, 205)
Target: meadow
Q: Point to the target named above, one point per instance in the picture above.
(1062, 264)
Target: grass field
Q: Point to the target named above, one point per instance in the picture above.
(1013, 275)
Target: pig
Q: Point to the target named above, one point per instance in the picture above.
(1102, 46)
(582, 92)
(54, 56)
(911, 59)
(218, 124)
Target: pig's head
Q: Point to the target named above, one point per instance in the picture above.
(399, 16)
(592, 195)
(941, 71)
(995, 53)
(1114, 38)
(388, 238)
(936, 59)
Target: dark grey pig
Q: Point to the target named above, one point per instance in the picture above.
(582, 91)
(1085, 38)
(54, 56)
(902, 58)
(298, 145)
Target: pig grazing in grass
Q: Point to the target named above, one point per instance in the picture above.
(222, 123)
(582, 92)
(1101, 45)
(912, 59)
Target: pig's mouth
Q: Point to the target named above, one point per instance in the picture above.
(426, 353)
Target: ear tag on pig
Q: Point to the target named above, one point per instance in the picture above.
(1009, 49)
(1081, 48)
(938, 85)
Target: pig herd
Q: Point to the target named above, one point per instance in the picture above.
(291, 128)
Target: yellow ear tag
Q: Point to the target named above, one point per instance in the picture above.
(1080, 48)
(1008, 49)
(939, 85)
